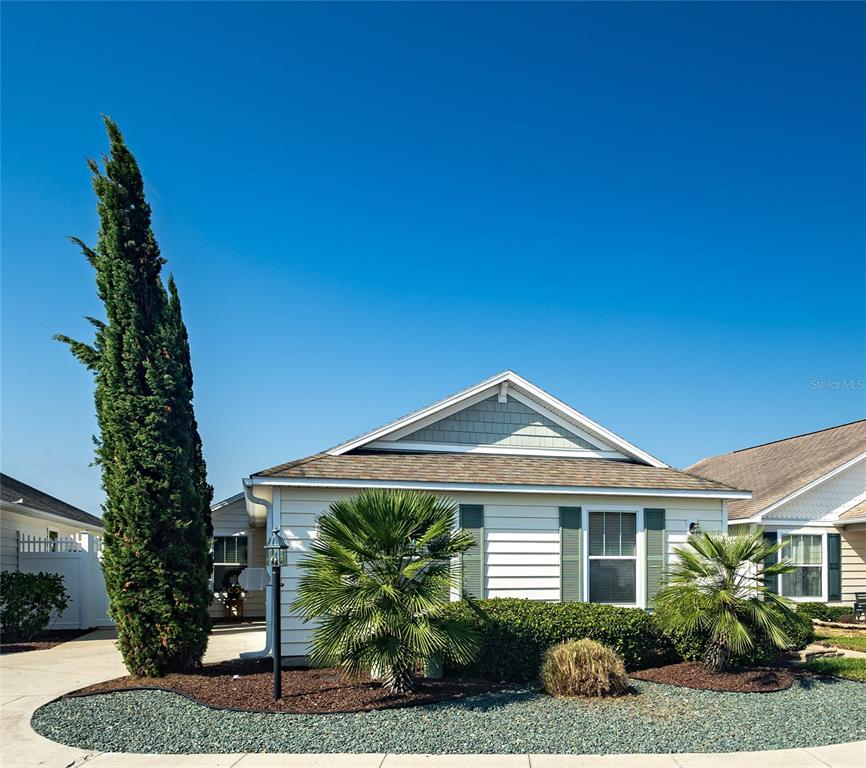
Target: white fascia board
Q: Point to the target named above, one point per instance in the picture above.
(497, 450)
(226, 502)
(780, 523)
(306, 482)
(21, 509)
(759, 516)
(463, 399)
(850, 520)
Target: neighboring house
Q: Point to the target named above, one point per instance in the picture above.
(27, 511)
(810, 491)
(561, 507)
(237, 546)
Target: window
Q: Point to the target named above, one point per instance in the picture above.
(53, 537)
(613, 557)
(229, 559)
(806, 553)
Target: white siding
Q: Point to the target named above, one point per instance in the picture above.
(826, 499)
(233, 520)
(521, 541)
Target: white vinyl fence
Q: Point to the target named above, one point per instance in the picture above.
(77, 559)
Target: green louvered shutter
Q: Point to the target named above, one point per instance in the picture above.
(569, 559)
(654, 522)
(472, 560)
(771, 582)
(834, 565)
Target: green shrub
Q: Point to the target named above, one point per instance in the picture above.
(583, 668)
(28, 601)
(691, 646)
(515, 634)
(824, 612)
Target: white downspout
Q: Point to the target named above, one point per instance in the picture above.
(269, 509)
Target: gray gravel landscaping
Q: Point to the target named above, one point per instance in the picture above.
(657, 718)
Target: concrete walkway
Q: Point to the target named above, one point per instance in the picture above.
(29, 680)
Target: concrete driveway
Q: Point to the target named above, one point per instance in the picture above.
(29, 680)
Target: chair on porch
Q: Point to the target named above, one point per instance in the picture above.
(860, 605)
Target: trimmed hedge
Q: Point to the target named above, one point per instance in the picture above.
(824, 612)
(689, 646)
(515, 634)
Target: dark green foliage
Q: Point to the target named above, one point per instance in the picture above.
(377, 581)
(824, 612)
(515, 634)
(28, 601)
(692, 646)
(708, 594)
(157, 519)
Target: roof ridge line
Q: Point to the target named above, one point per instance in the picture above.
(785, 439)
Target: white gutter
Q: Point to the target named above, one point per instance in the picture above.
(269, 640)
(498, 488)
(22, 509)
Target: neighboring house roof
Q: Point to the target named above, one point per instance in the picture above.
(776, 471)
(481, 469)
(225, 502)
(858, 510)
(17, 494)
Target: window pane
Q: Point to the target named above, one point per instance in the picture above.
(804, 582)
(629, 533)
(230, 549)
(596, 533)
(612, 581)
(803, 550)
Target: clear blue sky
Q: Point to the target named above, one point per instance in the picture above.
(656, 212)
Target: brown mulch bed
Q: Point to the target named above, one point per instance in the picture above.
(693, 675)
(42, 641)
(248, 685)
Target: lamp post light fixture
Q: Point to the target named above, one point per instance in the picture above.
(277, 549)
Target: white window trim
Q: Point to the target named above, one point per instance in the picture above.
(217, 590)
(639, 554)
(783, 533)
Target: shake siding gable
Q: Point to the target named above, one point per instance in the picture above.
(490, 422)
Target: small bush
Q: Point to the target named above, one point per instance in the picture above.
(515, 634)
(824, 612)
(583, 668)
(690, 646)
(28, 601)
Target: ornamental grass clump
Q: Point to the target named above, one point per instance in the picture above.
(377, 584)
(583, 668)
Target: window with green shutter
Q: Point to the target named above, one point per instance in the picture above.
(612, 557)
(834, 566)
(570, 565)
(472, 560)
(654, 522)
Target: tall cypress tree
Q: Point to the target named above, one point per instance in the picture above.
(156, 557)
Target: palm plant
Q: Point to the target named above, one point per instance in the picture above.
(714, 587)
(377, 582)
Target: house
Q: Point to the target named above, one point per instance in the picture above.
(27, 511)
(237, 545)
(809, 491)
(561, 507)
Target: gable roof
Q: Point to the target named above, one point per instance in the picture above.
(14, 492)
(463, 471)
(543, 401)
(778, 471)
(857, 511)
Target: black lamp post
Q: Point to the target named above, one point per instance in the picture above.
(277, 548)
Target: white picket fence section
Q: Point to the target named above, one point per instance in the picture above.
(77, 559)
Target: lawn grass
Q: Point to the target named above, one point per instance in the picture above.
(853, 669)
(850, 642)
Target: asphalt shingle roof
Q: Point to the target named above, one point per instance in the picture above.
(491, 469)
(775, 470)
(11, 490)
